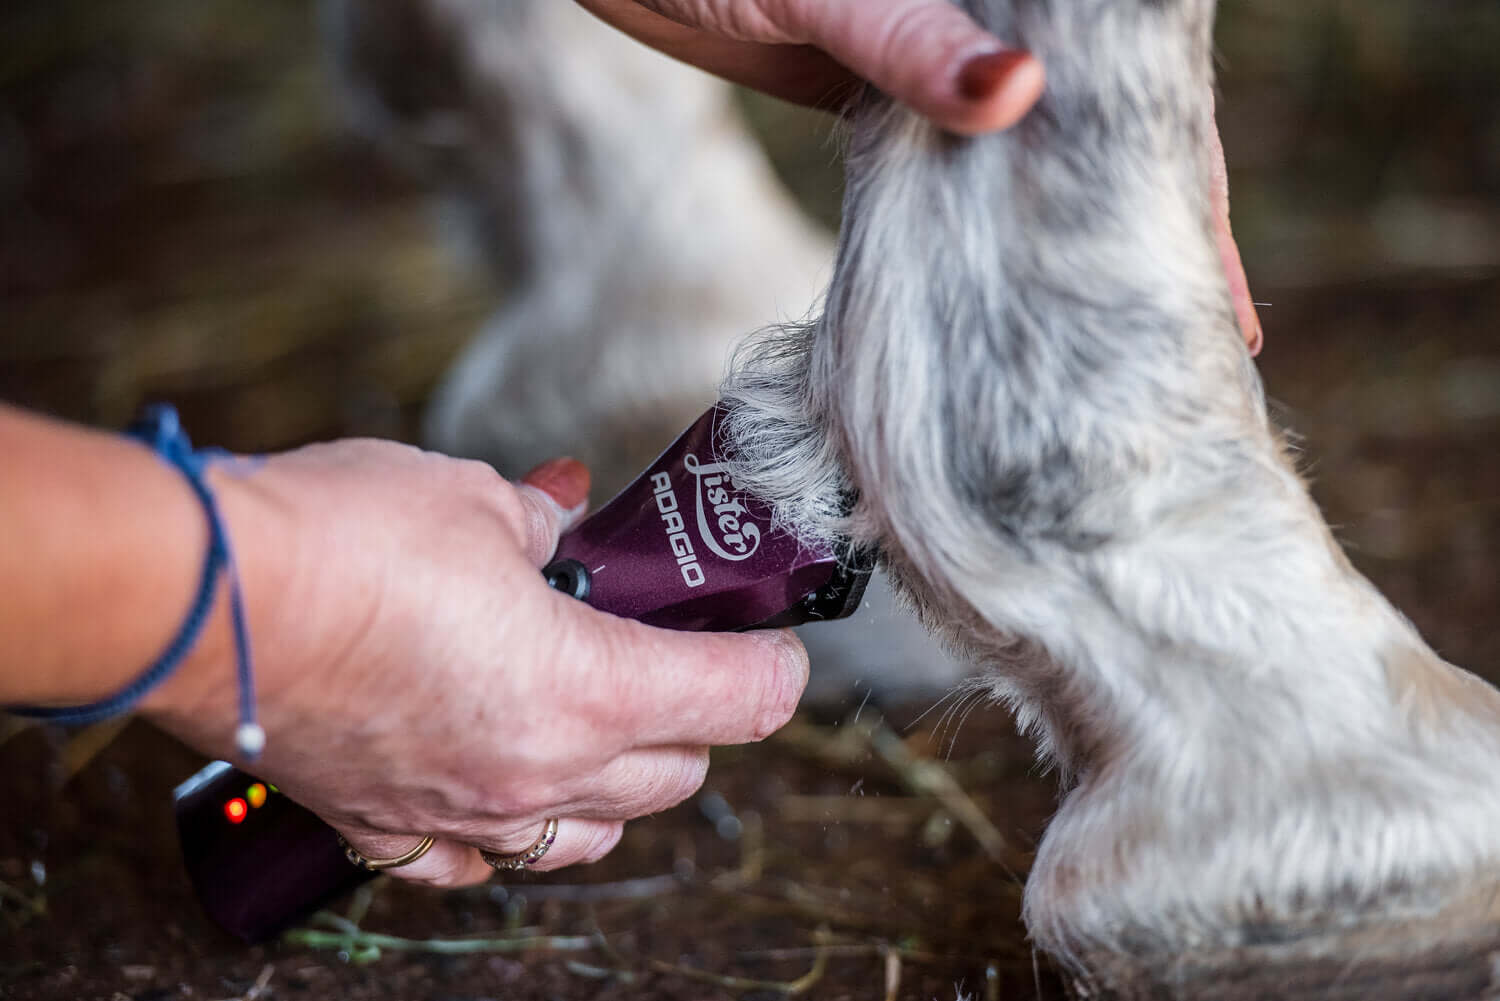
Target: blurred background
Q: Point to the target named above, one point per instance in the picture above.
(184, 215)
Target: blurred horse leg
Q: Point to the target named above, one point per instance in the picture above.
(641, 233)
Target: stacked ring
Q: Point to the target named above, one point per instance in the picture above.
(523, 859)
(377, 864)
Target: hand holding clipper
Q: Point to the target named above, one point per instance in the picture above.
(679, 548)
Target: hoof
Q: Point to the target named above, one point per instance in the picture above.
(1417, 961)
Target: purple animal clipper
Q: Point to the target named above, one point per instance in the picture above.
(683, 547)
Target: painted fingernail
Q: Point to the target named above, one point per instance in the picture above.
(566, 481)
(983, 75)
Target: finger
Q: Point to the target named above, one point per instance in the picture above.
(662, 687)
(637, 783)
(798, 73)
(927, 54)
(565, 481)
(578, 841)
(1229, 252)
(966, 80)
(554, 496)
(445, 864)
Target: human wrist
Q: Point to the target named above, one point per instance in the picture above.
(108, 545)
(198, 701)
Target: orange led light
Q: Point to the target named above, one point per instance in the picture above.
(256, 794)
(235, 810)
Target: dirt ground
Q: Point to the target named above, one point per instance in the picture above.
(833, 845)
(180, 218)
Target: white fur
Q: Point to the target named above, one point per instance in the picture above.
(1030, 382)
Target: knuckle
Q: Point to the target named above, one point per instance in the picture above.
(475, 475)
(618, 691)
(666, 781)
(525, 801)
(912, 23)
(411, 818)
(916, 26)
(766, 20)
(507, 503)
(540, 522)
(517, 799)
(755, 20)
(496, 496)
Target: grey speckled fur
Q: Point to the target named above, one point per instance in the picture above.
(1030, 382)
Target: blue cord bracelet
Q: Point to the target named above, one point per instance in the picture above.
(160, 429)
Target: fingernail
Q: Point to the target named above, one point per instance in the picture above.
(565, 481)
(1257, 339)
(982, 76)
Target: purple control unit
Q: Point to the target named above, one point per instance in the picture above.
(682, 547)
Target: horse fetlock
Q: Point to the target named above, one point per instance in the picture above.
(1262, 807)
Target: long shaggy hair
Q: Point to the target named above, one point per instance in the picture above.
(1030, 392)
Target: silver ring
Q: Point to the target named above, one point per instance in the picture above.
(520, 860)
(377, 864)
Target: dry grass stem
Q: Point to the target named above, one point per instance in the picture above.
(931, 779)
(591, 972)
(12, 726)
(259, 988)
(86, 744)
(366, 947)
(892, 974)
(790, 988)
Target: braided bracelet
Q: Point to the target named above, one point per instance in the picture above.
(159, 428)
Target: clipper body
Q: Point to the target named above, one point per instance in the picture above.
(683, 548)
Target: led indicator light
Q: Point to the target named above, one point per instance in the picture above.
(235, 810)
(256, 794)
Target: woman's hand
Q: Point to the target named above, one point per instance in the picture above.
(927, 54)
(417, 676)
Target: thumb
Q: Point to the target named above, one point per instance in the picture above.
(927, 54)
(554, 497)
(1229, 251)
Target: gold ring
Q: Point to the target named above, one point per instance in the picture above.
(377, 864)
(532, 855)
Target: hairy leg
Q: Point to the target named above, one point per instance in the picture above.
(1030, 382)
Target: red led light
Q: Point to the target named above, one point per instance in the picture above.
(235, 810)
